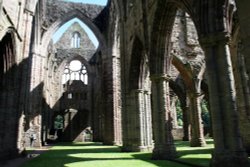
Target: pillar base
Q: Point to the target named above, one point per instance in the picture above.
(137, 148)
(200, 142)
(185, 138)
(109, 143)
(164, 152)
(230, 159)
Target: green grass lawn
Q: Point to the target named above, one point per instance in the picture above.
(195, 155)
(97, 155)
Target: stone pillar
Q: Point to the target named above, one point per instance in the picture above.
(197, 134)
(173, 112)
(23, 60)
(243, 99)
(148, 134)
(137, 124)
(228, 145)
(117, 99)
(111, 96)
(243, 54)
(162, 126)
(186, 122)
(36, 95)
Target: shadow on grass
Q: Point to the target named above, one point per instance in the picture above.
(160, 163)
(180, 143)
(67, 154)
(196, 156)
(210, 141)
(96, 154)
(195, 151)
(61, 157)
(71, 144)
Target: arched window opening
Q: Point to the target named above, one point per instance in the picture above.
(75, 70)
(75, 40)
(7, 54)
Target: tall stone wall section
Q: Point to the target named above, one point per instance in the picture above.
(16, 19)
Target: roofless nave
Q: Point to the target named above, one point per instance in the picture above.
(156, 60)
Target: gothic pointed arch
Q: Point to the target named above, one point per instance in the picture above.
(161, 35)
(65, 18)
(136, 65)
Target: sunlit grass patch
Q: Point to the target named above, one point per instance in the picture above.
(195, 155)
(95, 155)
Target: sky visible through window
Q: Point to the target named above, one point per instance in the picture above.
(64, 27)
(91, 35)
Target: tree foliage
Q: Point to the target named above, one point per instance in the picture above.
(204, 113)
(58, 123)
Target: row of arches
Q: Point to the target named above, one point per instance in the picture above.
(213, 37)
(146, 59)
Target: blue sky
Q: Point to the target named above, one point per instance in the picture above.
(64, 27)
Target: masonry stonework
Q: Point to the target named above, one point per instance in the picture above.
(150, 54)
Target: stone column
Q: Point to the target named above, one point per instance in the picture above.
(197, 134)
(186, 122)
(173, 112)
(162, 126)
(111, 96)
(117, 99)
(228, 145)
(148, 136)
(138, 122)
(36, 95)
(243, 99)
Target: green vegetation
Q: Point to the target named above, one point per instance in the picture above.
(58, 123)
(204, 113)
(97, 155)
(179, 112)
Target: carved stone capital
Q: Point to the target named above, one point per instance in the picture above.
(194, 94)
(160, 77)
(147, 92)
(137, 91)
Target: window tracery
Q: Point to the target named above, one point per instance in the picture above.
(75, 70)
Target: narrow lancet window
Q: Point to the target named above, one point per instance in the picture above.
(76, 40)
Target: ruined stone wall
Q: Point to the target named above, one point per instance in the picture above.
(188, 64)
(16, 19)
(60, 55)
(185, 44)
(57, 9)
(107, 104)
